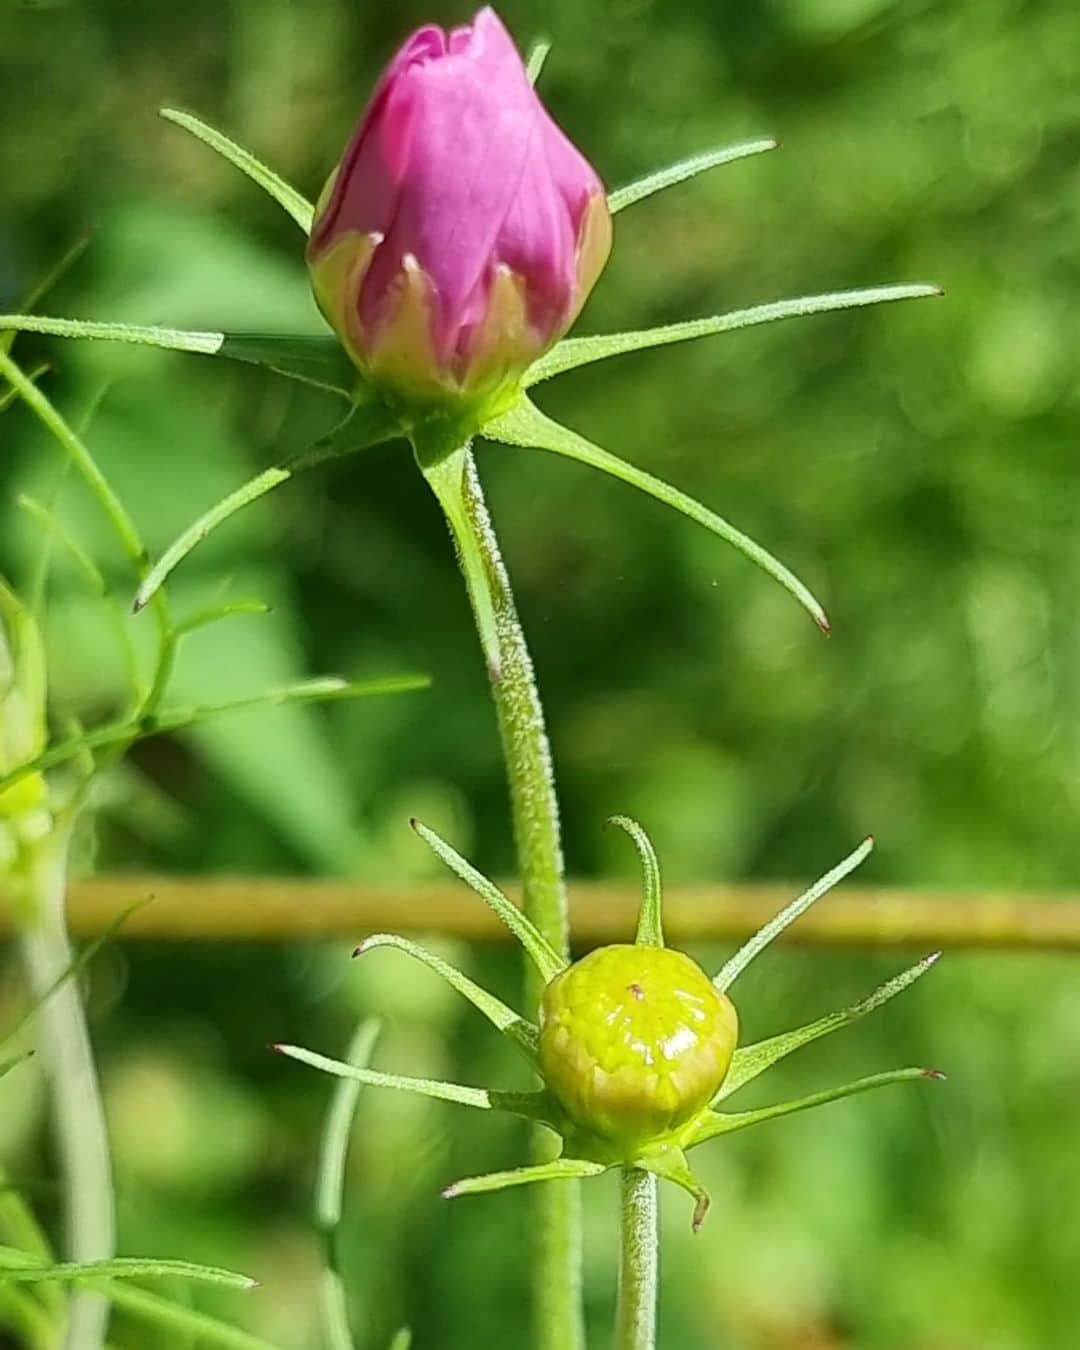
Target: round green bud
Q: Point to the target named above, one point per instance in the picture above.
(635, 1042)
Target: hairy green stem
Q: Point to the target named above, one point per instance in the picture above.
(78, 1114)
(639, 1262)
(557, 1267)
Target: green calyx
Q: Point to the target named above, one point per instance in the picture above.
(636, 1048)
(635, 1042)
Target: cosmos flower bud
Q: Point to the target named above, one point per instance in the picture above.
(462, 232)
(635, 1042)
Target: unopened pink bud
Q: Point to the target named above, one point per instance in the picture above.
(462, 232)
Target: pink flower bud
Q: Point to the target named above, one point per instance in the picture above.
(462, 232)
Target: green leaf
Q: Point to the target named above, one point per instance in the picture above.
(325, 690)
(446, 476)
(716, 1123)
(524, 1034)
(71, 972)
(173, 339)
(125, 1268)
(49, 524)
(8, 397)
(330, 1184)
(685, 168)
(366, 425)
(285, 195)
(526, 425)
(317, 359)
(650, 929)
(751, 1060)
(761, 939)
(121, 523)
(152, 1308)
(574, 352)
(403, 1340)
(230, 609)
(203, 1329)
(543, 955)
(529, 1105)
(538, 54)
(330, 1177)
(562, 1169)
(423, 1087)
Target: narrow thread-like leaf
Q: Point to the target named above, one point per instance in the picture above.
(121, 1268)
(330, 1175)
(422, 1087)
(272, 183)
(173, 339)
(574, 352)
(363, 427)
(761, 939)
(521, 1031)
(685, 168)
(650, 929)
(199, 1327)
(562, 1169)
(311, 359)
(325, 690)
(330, 1185)
(231, 609)
(71, 972)
(47, 522)
(8, 397)
(752, 1060)
(716, 1123)
(526, 425)
(543, 955)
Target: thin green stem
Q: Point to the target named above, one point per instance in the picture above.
(639, 1262)
(78, 1114)
(454, 479)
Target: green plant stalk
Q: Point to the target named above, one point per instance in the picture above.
(78, 1114)
(639, 1262)
(557, 1297)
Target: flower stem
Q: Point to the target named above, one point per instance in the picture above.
(78, 1114)
(455, 482)
(639, 1262)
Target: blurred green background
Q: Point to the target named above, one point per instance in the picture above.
(915, 464)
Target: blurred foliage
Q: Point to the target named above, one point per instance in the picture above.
(915, 464)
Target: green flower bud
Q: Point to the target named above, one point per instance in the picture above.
(635, 1042)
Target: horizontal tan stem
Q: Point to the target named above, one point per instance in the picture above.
(294, 909)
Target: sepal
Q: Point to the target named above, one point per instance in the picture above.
(750, 1061)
